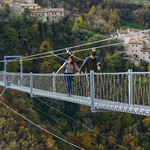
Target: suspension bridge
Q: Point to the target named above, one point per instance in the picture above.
(127, 92)
(124, 92)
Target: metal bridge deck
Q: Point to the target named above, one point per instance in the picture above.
(100, 105)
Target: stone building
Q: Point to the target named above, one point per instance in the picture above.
(44, 14)
(122, 34)
(139, 49)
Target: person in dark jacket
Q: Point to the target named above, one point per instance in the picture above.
(91, 63)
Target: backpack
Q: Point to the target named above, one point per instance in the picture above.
(88, 58)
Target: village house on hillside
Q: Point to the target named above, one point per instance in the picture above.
(131, 31)
(136, 47)
(140, 49)
(44, 14)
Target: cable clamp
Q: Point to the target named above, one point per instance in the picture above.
(52, 53)
(67, 50)
(94, 49)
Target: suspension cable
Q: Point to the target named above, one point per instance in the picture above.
(80, 123)
(56, 55)
(63, 53)
(63, 124)
(40, 127)
(86, 44)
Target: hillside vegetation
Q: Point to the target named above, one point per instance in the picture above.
(25, 35)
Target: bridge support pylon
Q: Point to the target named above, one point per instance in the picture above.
(130, 86)
(5, 62)
(92, 91)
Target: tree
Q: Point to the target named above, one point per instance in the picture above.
(130, 142)
(112, 62)
(34, 29)
(111, 4)
(7, 10)
(63, 4)
(51, 144)
(45, 46)
(11, 39)
(13, 145)
(114, 20)
(79, 22)
(105, 14)
(146, 122)
(93, 9)
(26, 14)
(138, 16)
(86, 138)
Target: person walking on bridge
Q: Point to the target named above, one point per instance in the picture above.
(69, 66)
(91, 63)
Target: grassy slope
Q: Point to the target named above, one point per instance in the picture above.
(132, 25)
(91, 34)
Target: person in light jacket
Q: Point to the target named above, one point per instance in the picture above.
(69, 66)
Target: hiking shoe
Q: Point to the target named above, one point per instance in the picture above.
(68, 94)
(89, 95)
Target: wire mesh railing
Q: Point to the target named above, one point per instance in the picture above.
(141, 89)
(112, 87)
(131, 89)
(43, 82)
(13, 78)
(75, 85)
(1, 76)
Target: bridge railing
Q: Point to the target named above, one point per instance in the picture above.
(42, 82)
(112, 87)
(78, 87)
(128, 87)
(18, 79)
(1, 76)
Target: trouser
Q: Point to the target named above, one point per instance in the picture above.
(69, 81)
(88, 83)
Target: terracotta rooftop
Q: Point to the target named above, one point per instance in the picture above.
(136, 41)
(136, 30)
(145, 31)
(145, 49)
(25, 4)
(123, 31)
(5, 2)
(56, 9)
(39, 10)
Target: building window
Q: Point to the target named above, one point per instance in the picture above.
(143, 52)
(52, 13)
(33, 7)
(2, 4)
(133, 45)
(60, 13)
(149, 53)
(136, 45)
(135, 50)
(52, 17)
(55, 13)
(132, 50)
(55, 17)
(143, 57)
(53, 20)
(149, 57)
